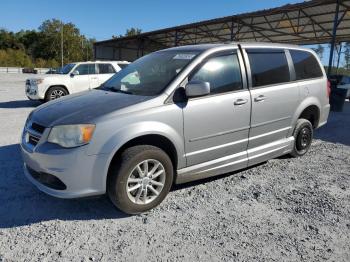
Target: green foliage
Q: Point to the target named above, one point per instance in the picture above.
(13, 57)
(133, 31)
(130, 32)
(42, 48)
(339, 71)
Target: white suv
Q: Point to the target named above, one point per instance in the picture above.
(72, 78)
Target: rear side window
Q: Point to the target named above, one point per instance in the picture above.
(268, 67)
(106, 69)
(122, 65)
(222, 72)
(305, 64)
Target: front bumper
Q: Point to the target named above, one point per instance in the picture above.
(33, 91)
(83, 175)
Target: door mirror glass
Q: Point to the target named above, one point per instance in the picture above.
(197, 88)
(74, 73)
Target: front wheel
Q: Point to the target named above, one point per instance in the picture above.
(140, 179)
(303, 134)
(54, 93)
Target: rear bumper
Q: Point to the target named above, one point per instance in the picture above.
(324, 115)
(82, 175)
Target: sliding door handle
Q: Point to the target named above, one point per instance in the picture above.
(240, 101)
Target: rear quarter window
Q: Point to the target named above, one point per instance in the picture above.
(305, 64)
(268, 67)
(122, 65)
(106, 69)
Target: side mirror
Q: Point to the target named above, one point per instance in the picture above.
(197, 88)
(74, 73)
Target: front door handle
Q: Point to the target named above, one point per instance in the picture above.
(259, 98)
(240, 101)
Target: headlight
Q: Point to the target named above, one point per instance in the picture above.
(38, 81)
(26, 124)
(71, 135)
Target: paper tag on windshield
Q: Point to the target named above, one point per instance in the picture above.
(184, 56)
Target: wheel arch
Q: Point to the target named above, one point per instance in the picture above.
(311, 113)
(51, 86)
(146, 133)
(157, 140)
(310, 109)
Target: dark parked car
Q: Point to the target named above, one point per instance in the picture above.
(28, 70)
(342, 82)
(53, 71)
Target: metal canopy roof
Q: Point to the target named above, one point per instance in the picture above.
(309, 22)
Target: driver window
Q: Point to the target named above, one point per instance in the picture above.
(222, 72)
(85, 69)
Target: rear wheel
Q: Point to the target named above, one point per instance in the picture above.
(303, 134)
(55, 92)
(140, 179)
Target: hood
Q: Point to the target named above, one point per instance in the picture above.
(83, 108)
(47, 76)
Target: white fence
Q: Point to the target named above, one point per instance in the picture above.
(19, 70)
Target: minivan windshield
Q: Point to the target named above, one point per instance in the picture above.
(66, 69)
(149, 75)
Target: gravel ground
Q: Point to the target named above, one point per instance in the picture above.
(283, 210)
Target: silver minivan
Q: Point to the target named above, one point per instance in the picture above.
(175, 116)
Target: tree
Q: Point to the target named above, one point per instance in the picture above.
(43, 47)
(347, 55)
(50, 41)
(133, 31)
(130, 32)
(13, 57)
(319, 51)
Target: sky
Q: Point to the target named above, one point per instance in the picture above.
(100, 19)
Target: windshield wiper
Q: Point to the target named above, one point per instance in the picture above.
(107, 88)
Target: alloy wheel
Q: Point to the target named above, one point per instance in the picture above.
(146, 181)
(56, 94)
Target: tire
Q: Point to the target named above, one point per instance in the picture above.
(125, 169)
(303, 134)
(55, 92)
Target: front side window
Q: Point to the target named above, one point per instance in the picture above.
(86, 69)
(151, 74)
(268, 67)
(106, 69)
(305, 65)
(222, 72)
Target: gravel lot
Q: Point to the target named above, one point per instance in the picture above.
(283, 210)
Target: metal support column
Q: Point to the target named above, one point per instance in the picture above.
(334, 35)
(176, 38)
(232, 35)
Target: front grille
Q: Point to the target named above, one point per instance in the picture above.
(33, 140)
(47, 179)
(33, 133)
(38, 128)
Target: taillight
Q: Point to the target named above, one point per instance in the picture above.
(328, 88)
